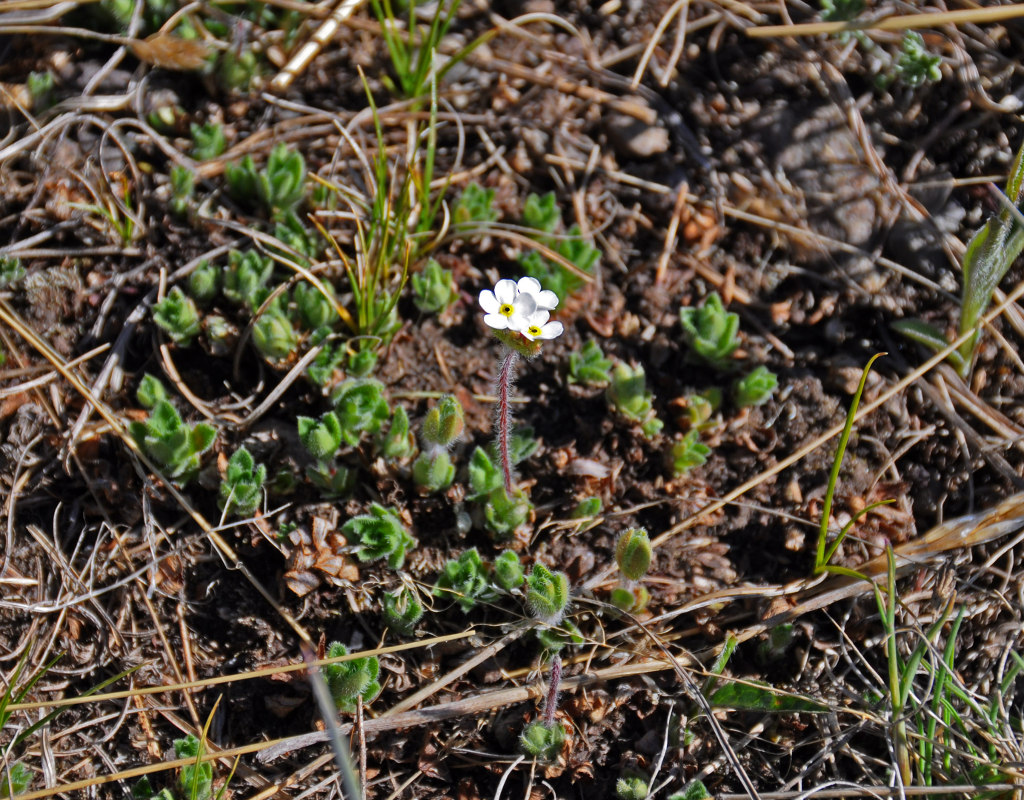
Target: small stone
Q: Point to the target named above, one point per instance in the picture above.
(634, 139)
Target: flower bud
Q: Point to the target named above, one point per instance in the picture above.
(443, 424)
(508, 572)
(633, 553)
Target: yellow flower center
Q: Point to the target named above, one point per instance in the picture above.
(534, 330)
(506, 309)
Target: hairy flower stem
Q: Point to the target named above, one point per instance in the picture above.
(505, 373)
(552, 702)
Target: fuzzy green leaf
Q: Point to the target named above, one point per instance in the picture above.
(380, 534)
(349, 680)
(402, 610)
(320, 438)
(361, 408)
(464, 579)
(547, 593)
(542, 742)
(398, 443)
(508, 572)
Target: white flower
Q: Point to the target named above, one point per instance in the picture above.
(506, 307)
(545, 298)
(538, 327)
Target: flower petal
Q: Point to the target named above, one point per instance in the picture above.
(497, 321)
(551, 330)
(546, 299)
(526, 304)
(538, 317)
(488, 302)
(505, 292)
(528, 285)
(517, 322)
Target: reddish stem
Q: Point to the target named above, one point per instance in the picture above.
(505, 372)
(552, 702)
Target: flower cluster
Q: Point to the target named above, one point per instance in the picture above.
(522, 308)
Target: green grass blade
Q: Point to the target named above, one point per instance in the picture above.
(837, 462)
(849, 526)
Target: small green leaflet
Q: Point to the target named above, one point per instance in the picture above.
(761, 697)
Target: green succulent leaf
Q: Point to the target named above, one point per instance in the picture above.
(202, 437)
(150, 392)
(752, 696)
(168, 441)
(695, 790)
(554, 639)
(15, 779)
(278, 188)
(474, 206)
(11, 271)
(362, 362)
(756, 388)
(208, 140)
(586, 508)
(628, 397)
(432, 288)
(398, 443)
(711, 332)
(183, 185)
(701, 407)
(247, 274)
(631, 787)
(541, 212)
(589, 367)
(326, 367)
(687, 453)
(630, 598)
(242, 487)
(194, 780)
(433, 471)
(315, 310)
(204, 283)
(274, 335)
(178, 317)
(505, 514)
(332, 478)
(915, 65)
(484, 474)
